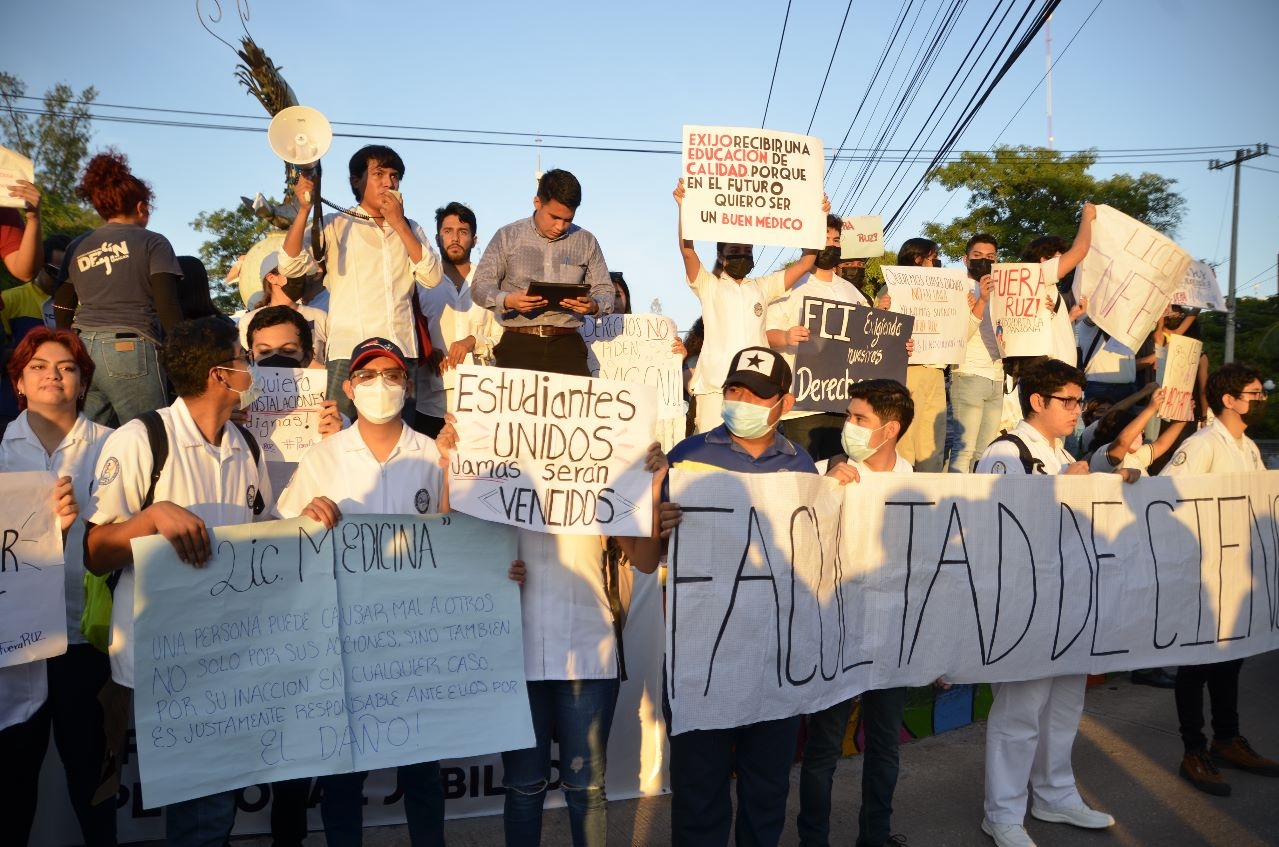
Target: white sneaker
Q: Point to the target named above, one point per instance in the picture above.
(1081, 816)
(1007, 834)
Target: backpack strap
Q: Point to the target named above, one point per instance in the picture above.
(1097, 339)
(1028, 462)
(254, 447)
(614, 561)
(159, 440)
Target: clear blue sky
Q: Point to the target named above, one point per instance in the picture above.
(1141, 74)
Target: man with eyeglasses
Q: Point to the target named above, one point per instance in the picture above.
(1238, 401)
(1033, 723)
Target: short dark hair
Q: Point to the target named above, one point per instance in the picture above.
(276, 315)
(834, 222)
(981, 238)
(26, 349)
(463, 213)
(890, 400)
(561, 186)
(915, 250)
(1044, 377)
(1229, 379)
(359, 165)
(192, 349)
(1044, 247)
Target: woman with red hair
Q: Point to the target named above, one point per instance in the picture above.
(122, 287)
(51, 372)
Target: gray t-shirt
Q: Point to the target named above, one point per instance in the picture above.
(111, 269)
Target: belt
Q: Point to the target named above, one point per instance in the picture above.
(542, 330)
(80, 331)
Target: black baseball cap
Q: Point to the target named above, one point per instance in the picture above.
(761, 370)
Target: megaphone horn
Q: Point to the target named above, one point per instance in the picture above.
(300, 135)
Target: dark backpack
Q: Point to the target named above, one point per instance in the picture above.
(1028, 462)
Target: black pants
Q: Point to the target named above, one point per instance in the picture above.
(559, 354)
(75, 715)
(1222, 679)
(288, 811)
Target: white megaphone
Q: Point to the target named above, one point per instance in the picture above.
(300, 136)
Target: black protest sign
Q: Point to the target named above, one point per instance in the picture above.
(846, 344)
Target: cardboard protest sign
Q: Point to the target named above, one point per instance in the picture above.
(33, 610)
(753, 186)
(846, 344)
(1199, 288)
(862, 237)
(1021, 319)
(638, 348)
(301, 651)
(1129, 276)
(553, 453)
(773, 613)
(1180, 371)
(285, 419)
(937, 298)
(13, 167)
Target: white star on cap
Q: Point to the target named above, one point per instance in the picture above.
(759, 361)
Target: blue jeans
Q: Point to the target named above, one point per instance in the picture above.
(202, 822)
(976, 403)
(882, 713)
(342, 805)
(579, 713)
(127, 379)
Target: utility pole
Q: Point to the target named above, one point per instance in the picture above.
(1241, 156)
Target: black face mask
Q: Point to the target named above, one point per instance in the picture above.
(293, 288)
(827, 258)
(1256, 413)
(279, 360)
(738, 268)
(853, 274)
(978, 268)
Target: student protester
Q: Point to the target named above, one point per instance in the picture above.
(1032, 724)
(977, 383)
(756, 392)
(122, 290)
(1121, 441)
(925, 446)
(1059, 260)
(210, 478)
(733, 304)
(547, 247)
(21, 247)
(879, 412)
(1238, 402)
(51, 370)
(279, 290)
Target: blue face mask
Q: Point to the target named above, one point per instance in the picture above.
(855, 439)
(747, 420)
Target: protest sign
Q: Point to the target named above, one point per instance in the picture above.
(753, 186)
(1180, 371)
(13, 167)
(1129, 276)
(1021, 320)
(1199, 288)
(861, 237)
(553, 453)
(846, 344)
(285, 419)
(638, 349)
(774, 609)
(937, 298)
(300, 651)
(33, 611)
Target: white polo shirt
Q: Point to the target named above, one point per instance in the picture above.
(568, 626)
(1003, 456)
(24, 688)
(1214, 450)
(342, 468)
(220, 484)
(451, 315)
(733, 317)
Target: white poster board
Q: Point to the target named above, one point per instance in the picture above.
(13, 167)
(285, 419)
(1021, 319)
(638, 349)
(1199, 288)
(33, 611)
(753, 186)
(299, 651)
(938, 300)
(1129, 276)
(861, 237)
(553, 453)
(1180, 371)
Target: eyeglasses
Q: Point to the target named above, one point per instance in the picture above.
(1067, 402)
(391, 376)
(1254, 394)
(243, 358)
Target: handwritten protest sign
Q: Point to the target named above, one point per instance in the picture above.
(1017, 311)
(861, 237)
(771, 612)
(33, 613)
(13, 167)
(1129, 276)
(1181, 370)
(553, 453)
(937, 298)
(638, 348)
(299, 651)
(846, 344)
(1199, 288)
(753, 186)
(285, 419)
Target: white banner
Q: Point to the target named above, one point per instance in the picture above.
(553, 453)
(774, 612)
(938, 300)
(1181, 370)
(33, 605)
(299, 651)
(861, 237)
(1199, 288)
(1129, 276)
(753, 186)
(285, 419)
(638, 348)
(1018, 313)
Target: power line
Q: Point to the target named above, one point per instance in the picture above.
(829, 65)
(777, 61)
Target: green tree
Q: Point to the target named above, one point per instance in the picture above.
(234, 231)
(1020, 193)
(1256, 344)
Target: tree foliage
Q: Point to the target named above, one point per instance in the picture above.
(1020, 193)
(1256, 344)
(233, 232)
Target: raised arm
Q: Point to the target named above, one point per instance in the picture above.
(1083, 240)
(692, 263)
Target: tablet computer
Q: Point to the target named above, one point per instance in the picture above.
(554, 292)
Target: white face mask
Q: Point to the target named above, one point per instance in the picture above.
(377, 402)
(855, 439)
(747, 420)
(249, 395)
